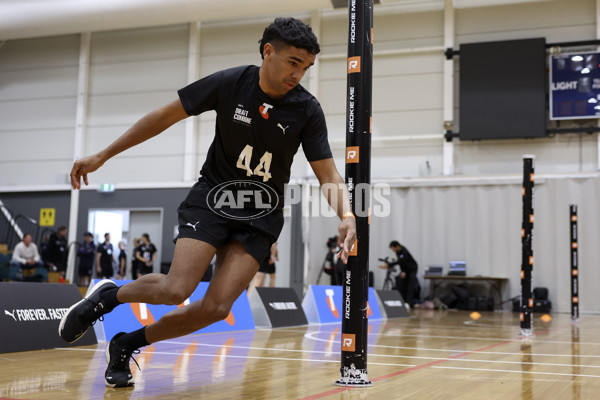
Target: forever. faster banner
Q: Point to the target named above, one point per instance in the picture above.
(31, 312)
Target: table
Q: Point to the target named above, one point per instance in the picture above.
(496, 282)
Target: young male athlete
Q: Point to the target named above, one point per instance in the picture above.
(263, 116)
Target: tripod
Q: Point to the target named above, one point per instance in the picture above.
(328, 258)
(389, 283)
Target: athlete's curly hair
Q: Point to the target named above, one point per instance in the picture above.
(292, 32)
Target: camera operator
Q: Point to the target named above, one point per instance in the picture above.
(406, 282)
(333, 265)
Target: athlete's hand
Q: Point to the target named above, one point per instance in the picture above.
(347, 230)
(81, 168)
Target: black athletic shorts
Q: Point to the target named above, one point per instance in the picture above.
(267, 268)
(85, 270)
(198, 221)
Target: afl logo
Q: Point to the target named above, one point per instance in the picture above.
(242, 200)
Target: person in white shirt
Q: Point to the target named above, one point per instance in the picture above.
(25, 255)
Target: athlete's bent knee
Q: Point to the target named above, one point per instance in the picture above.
(173, 296)
(217, 312)
(221, 312)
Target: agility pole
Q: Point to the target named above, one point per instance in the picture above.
(358, 178)
(574, 264)
(527, 246)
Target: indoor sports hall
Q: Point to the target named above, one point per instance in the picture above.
(455, 257)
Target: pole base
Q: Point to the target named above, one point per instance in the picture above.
(353, 383)
(526, 333)
(353, 377)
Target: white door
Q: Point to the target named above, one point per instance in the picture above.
(145, 221)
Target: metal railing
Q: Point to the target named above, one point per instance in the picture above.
(27, 225)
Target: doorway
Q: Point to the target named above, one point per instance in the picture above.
(126, 225)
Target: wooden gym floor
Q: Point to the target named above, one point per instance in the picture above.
(432, 355)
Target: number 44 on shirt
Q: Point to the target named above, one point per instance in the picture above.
(263, 167)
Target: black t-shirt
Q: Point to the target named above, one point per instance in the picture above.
(256, 137)
(146, 251)
(106, 254)
(134, 259)
(122, 256)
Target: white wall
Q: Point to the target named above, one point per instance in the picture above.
(135, 71)
(480, 222)
(38, 88)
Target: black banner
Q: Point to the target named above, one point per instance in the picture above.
(393, 306)
(31, 313)
(527, 246)
(574, 264)
(358, 178)
(276, 307)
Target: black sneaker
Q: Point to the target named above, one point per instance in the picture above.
(118, 373)
(81, 315)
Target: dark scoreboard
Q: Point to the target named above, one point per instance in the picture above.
(502, 90)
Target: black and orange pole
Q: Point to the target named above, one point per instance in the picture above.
(574, 264)
(527, 246)
(358, 178)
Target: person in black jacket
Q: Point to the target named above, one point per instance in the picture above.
(333, 265)
(56, 255)
(406, 282)
(86, 252)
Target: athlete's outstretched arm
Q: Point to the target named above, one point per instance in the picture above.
(147, 127)
(335, 190)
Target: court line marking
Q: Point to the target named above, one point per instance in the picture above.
(337, 352)
(412, 368)
(168, 353)
(418, 367)
(310, 336)
(564, 328)
(420, 328)
(519, 372)
(404, 371)
(483, 338)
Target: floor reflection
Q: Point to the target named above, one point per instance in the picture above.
(575, 361)
(430, 355)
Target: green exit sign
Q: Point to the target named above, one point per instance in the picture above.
(107, 187)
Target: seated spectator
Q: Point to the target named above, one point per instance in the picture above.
(25, 263)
